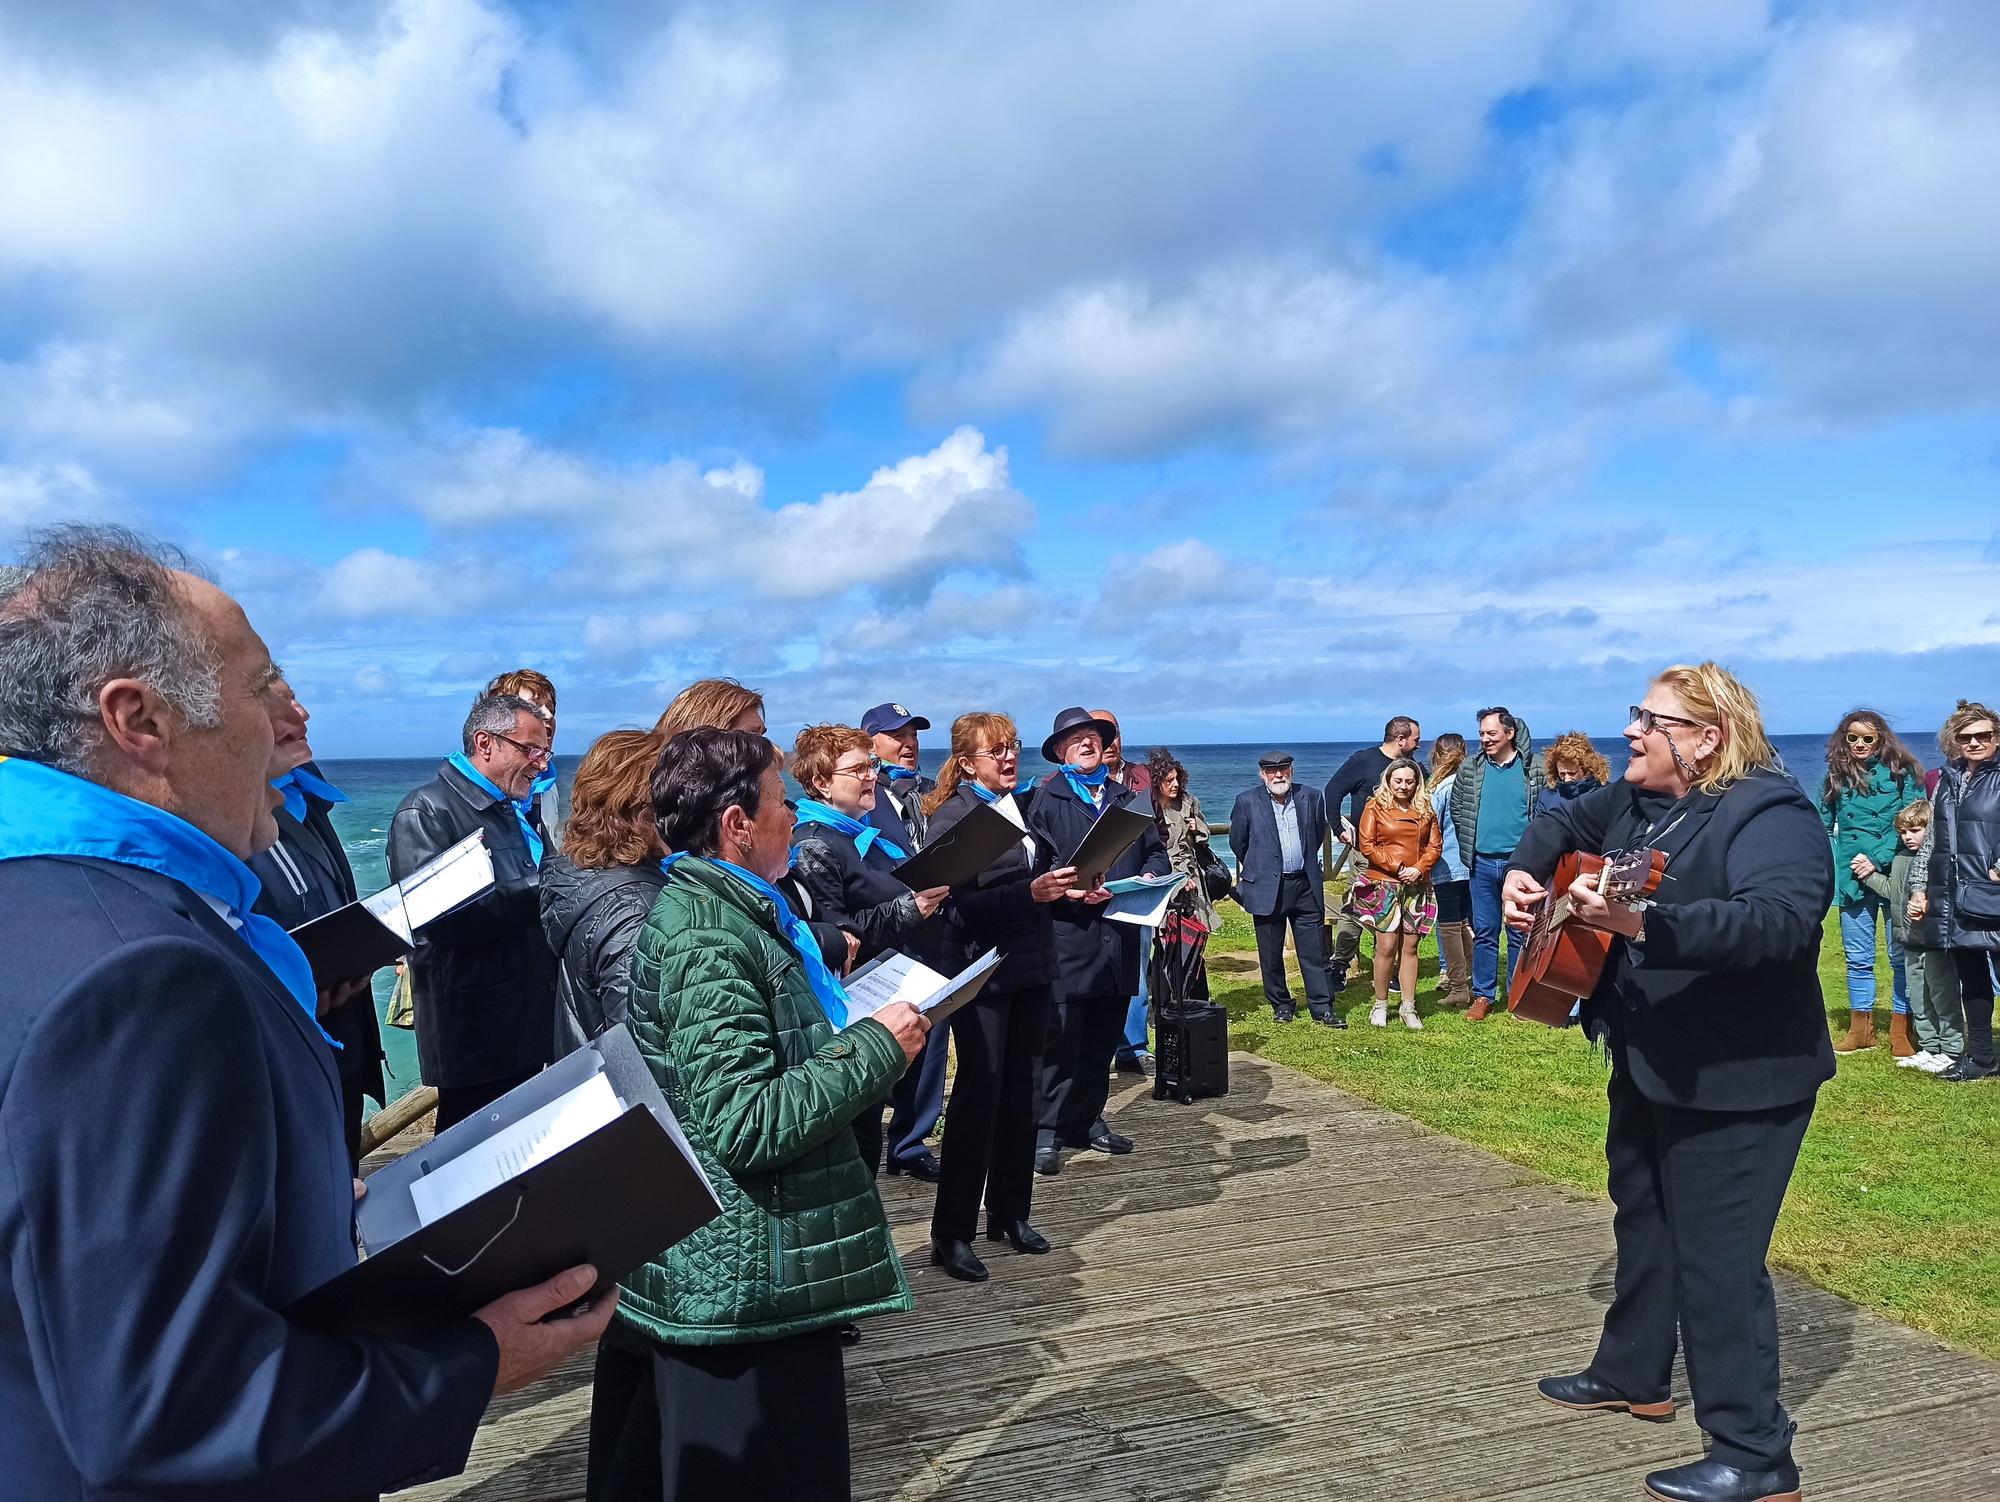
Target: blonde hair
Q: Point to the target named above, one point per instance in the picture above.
(818, 749)
(1969, 712)
(969, 733)
(1574, 747)
(1914, 815)
(1387, 799)
(1447, 756)
(709, 703)
(1712, 695)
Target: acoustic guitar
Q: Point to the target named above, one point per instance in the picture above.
(1563, 960)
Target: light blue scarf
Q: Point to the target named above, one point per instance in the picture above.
(1084, 785)
(521, 806)
(864, 834)
(798, 933)
(542, 784)
(895, 771)
(298, 782)
(46, 812)
(979, 790)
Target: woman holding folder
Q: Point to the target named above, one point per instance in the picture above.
(746, 1031)
(989, 1126)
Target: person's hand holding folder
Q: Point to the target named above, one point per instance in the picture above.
(531, 1343)
(907, 1025)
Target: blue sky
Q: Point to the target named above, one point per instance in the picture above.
(1257, 370)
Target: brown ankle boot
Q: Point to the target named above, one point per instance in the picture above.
(1860, 1032)
(1901, 1045)
(1455, 945)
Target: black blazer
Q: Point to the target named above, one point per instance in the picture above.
(1094, 957)
(861, 894)
(170, 1123)
(1260, 859)
(1720, 1009)
(483, 978)
(907, 826)
(306, 876)
(995, 910)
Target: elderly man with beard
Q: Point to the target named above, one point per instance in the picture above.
(1275, 833)
(170, 1109)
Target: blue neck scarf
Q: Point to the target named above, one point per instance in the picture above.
(979, 790)
(798, 933)
(298, 782)
(1085, 784)
(896, 772)
(46, 812)
(542, 784)
(864, 834)
(521, 806)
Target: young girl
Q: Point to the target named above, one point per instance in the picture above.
(1400, 841)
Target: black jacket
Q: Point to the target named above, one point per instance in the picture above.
(482, 977)
(592, 919)
(1720, 1008)
(861, 894)
(1094, 956)
(306, 876)
(995, 911)
(175, 1176)
(910, 817)
(1965, 845)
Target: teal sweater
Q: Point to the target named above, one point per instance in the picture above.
(1864, 823)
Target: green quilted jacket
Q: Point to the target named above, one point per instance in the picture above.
(767, 1092)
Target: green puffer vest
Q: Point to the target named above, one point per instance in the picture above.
(767, 1092)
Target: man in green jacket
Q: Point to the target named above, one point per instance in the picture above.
(1490, 803)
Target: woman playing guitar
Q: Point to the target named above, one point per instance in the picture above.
(1711, 1012)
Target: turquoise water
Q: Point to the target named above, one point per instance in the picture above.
(1217, 774)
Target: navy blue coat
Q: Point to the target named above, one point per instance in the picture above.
(996, 910)
(1260, 859)
(1094, 957)
(1720, 1009)
(172, 1174)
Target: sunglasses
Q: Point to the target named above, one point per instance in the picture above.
(1649, 722)
(1861, 738)
(1968, 737)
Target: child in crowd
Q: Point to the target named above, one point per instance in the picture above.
(1399, 841)
(1931, 977)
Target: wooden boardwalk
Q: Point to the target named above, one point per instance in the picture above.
(1290, 1293)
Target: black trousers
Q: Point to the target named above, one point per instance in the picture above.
(456, 1102)
(1696, 1195)
(768, 1419)
(1301, 907)
(1082, 1035)
(989, 1123)
(1975, 989)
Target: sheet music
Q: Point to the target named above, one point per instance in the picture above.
(535, 1138)
(1141, 899)
(436, 887)
(896, 977)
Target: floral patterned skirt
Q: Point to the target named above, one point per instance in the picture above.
(1393, 907)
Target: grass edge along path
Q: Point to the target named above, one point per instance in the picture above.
(1895, 1204)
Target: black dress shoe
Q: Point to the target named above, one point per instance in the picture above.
(1048, 1161)
(1333, 1020)
(1109, 1142)
(1587, 1393)
(1290, 1014)
(1017, 1234)
(1966, 1070)
(850, 1334)
(925, 1167)
(958, 1260)
(1712, 1481)
(1137, 1063)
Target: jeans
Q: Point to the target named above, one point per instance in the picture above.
(1137, 1014)
(1857, 940)
(1488, 871)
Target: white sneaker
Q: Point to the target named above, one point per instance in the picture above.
(1918, 1060)
(1378, 1015)
(1408, 1012)
(1938, 1063)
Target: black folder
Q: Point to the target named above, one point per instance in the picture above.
(1114, 833)
(958, 855)
(348, 942)
(615, 1199)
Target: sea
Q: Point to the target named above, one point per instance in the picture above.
(1216, 773)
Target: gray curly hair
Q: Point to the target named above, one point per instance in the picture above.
(90, 604)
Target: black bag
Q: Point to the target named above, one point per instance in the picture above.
(1979, 904)
(1191, 1053)
(1215, 878)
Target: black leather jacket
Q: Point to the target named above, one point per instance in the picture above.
(482, 977)
(1964, 847)
(592, 919)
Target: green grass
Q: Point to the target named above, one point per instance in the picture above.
(1896, 1201)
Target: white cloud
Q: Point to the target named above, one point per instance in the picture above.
(375, 681)
(33, 495)
(374, 585)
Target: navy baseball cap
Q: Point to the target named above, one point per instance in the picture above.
(884, 718)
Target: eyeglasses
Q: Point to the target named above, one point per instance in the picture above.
(1649, 722)
(1000, 752)
(859, 774)
(533, 753)
(1861, 738)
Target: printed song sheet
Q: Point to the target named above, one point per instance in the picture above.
(535, 1138)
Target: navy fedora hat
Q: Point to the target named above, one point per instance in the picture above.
(1076, 718)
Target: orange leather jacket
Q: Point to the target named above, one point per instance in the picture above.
(1391, 838)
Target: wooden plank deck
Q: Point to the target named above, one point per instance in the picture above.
(1290, 1293)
